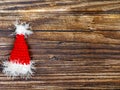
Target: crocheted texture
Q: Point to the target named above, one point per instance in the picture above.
(20, 52)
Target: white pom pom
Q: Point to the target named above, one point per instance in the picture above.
(22, 29)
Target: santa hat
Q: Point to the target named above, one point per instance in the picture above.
(19, 63)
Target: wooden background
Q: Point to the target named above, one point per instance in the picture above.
(75, 45)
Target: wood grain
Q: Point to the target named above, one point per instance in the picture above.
(75, 45)
(67, 64)
(61, 15)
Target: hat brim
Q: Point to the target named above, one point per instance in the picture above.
(13, 69)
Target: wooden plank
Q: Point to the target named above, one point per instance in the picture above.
(85, 5)
(62, 15)
(102, 37)
(62, 21)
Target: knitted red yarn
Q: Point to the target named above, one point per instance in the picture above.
(20, 52)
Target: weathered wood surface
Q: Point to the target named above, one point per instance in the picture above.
(75, 45)
(62, 14)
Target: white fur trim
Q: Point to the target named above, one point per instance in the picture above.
(22, 29)
(12, 69)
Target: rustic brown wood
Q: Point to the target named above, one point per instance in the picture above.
(75, 45)
(61, 15)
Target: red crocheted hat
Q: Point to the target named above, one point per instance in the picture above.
(19, 63)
